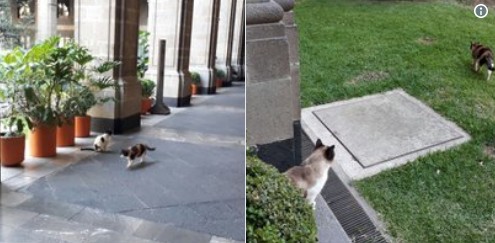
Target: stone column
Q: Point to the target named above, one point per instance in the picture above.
(225, 38)
(110, 30)
(238, 44)
(269, 94)
(171, 20)
(204, 43)
(293, 38)
(46, 19)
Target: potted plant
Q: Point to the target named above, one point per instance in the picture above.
(35, 97)
(220, 76)
(196, 82)
(147, 88)
(79, 95)
(13, 140)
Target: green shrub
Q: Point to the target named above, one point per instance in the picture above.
(275, 210)
(220, 74)
(147, 87)
(195, 78)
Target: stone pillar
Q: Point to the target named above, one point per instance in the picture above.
(225, 38)
(293, 38)
(46, 19)
(109, 29)
(238, 45)
(171, 20)
(269, 94)
(204, 43)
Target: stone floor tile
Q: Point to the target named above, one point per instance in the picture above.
(14, 217)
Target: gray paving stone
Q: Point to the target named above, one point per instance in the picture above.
(116, 222)
(113, 237)
(18, 235)
(380, 132)
(43, 206)
(49, 226)
(14, 217)
(150, 230)
(18, 182)
(173, 234)
(207, 121)
(7, 173)
(12, 199)
(394, 123)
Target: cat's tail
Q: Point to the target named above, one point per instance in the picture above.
(149, 148)
(87, 149)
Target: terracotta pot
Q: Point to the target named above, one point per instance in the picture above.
(43, 141)
(66, 133)
(218, 83)
(194, 89)
(16, 147)
(145, 105)
(82, 126)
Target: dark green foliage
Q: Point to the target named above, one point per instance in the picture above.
(275, 210)
(9, 33)
(220, 74)
(195, 78)
(143, 54)
(147, 87)
(50, 82)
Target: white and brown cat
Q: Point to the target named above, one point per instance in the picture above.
(312, 174)
(137, 151)
(101, 143)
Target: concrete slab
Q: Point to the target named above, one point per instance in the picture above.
(380, 131)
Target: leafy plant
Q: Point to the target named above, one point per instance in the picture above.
(9, 91)
(49, 83)
(220, 74)
(275, 210)
(147, 88)
(143, 54)
(195, 78)
(89, 78)
(9, 32)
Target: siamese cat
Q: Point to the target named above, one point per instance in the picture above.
(135, 152)
(101, 143)
(312, 174)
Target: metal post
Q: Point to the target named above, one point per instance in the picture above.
(160, 107)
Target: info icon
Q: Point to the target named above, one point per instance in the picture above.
(481, 11)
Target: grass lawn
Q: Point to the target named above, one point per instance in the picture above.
(354, 48)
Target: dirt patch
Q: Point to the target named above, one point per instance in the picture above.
(369, 76)
(426, 40)
(489, 151)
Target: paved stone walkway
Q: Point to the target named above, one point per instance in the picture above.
(191, 189)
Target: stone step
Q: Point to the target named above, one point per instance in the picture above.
(74, 223)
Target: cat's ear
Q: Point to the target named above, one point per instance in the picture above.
(330, 153)
(318, 144)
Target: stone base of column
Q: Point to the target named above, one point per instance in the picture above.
(207, 75)
(117, 125)
(177, 101)
(238, 72)
(176, 87)
(207, 90)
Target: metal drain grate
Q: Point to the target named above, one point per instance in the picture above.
(347, 210)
